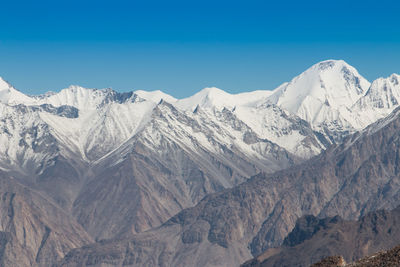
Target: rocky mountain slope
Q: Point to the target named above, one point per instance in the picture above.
(313, 239)
(33, 230)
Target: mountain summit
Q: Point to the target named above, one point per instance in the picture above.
(323, 95)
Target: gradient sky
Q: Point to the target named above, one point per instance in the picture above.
(181, 47)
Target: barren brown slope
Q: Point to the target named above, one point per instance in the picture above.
(33, 230)
(313, 239)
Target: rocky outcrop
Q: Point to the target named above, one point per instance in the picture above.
(389, 258)
(332, 261)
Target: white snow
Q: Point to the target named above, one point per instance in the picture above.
(319, 94)
(215, 98)
(155, 96)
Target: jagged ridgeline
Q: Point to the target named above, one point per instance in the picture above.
(142, 178)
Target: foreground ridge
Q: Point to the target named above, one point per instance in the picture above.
(389, 258)
(313, 239)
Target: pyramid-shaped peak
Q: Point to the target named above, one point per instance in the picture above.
(329, 73)
(321, 91)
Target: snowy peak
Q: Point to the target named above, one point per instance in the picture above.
(207, 98)
(331, 82)
(384, 93)
(322, 92)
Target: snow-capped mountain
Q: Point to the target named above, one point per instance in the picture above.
(380, 99)
(323, 95)
(331, 83)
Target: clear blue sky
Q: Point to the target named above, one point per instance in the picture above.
(182, 46)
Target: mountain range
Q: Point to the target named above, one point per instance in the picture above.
(210, 180)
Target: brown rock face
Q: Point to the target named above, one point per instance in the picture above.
(312, 239)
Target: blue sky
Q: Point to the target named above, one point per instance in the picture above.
(182, 46)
